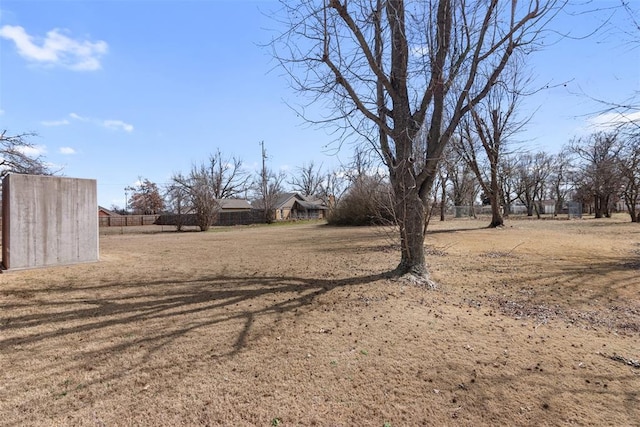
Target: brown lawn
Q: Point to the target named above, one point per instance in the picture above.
(537, 323)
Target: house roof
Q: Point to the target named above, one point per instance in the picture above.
(108, 212)
(310, 205)
(234, 204)
(284, 198)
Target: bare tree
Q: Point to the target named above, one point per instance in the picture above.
(207, 183)
(146, 198)
(510, 188)
(308, 180)
(201, 195)
(402, 67)
(629, 166)
(367, 199)
(485, 132)
(463, 188)
(333, 187)
(227, 177)
(178, 200)
(366, 202)
(441, 186)
(597, 174)
(267, 186)
(15, 155)
(560, 178)
(533, 171)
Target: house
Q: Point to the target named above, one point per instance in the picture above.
(109, 218)
(293, 206)
(106, 213)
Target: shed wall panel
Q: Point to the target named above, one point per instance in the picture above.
(51, 221)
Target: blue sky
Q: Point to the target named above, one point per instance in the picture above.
(118, 90)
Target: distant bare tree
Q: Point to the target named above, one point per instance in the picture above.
(463, 188)
(629, 166)
(333, 187)
(485, 132)
(510, 188)
(268, 186)
(201, 195)
(561, 178)
(146, 198)
(308, 180)
(206, 183)
(367, 201)
(15, 155)
(226, 176)
(597, 169)
(178, 200)
(440, 194)
(533, 171)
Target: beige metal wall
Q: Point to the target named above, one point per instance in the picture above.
(48, 221)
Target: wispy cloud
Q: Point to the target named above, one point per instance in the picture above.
(108, 123)
(67, 150)
(1, 111)
(62, 122)
(77, 117)
(612, 120)
(117, 125)
(56, 48)
(32, 151)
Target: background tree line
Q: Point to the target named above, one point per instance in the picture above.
(482, 165)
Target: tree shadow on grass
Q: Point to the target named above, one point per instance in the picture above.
(599, 294)
(160, 312)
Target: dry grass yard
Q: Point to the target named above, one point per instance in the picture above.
(537, 323)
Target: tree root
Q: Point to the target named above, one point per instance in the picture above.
(421, 280)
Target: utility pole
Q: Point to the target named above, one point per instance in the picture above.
(265, 184)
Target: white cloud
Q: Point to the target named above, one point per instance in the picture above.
(62, 122)
(1, 111)
(609, 121)
(117, 125)
(109, 124)
(67, 150)
(33, 151)
(56, 48)
(77, 117)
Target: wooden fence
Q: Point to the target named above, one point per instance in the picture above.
(127, 220)
(222, 218)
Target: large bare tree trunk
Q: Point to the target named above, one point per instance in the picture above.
(396, 70)
(410, 212)
(494, 197)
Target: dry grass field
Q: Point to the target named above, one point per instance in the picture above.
(536, 323)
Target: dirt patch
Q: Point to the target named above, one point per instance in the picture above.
(535, 323)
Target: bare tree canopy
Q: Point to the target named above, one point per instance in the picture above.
(598, 172)
(15, 155)
(399, 70)
(308, 180)
(486, 131)
(206, 183)
(146, 198)
(267, 187)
